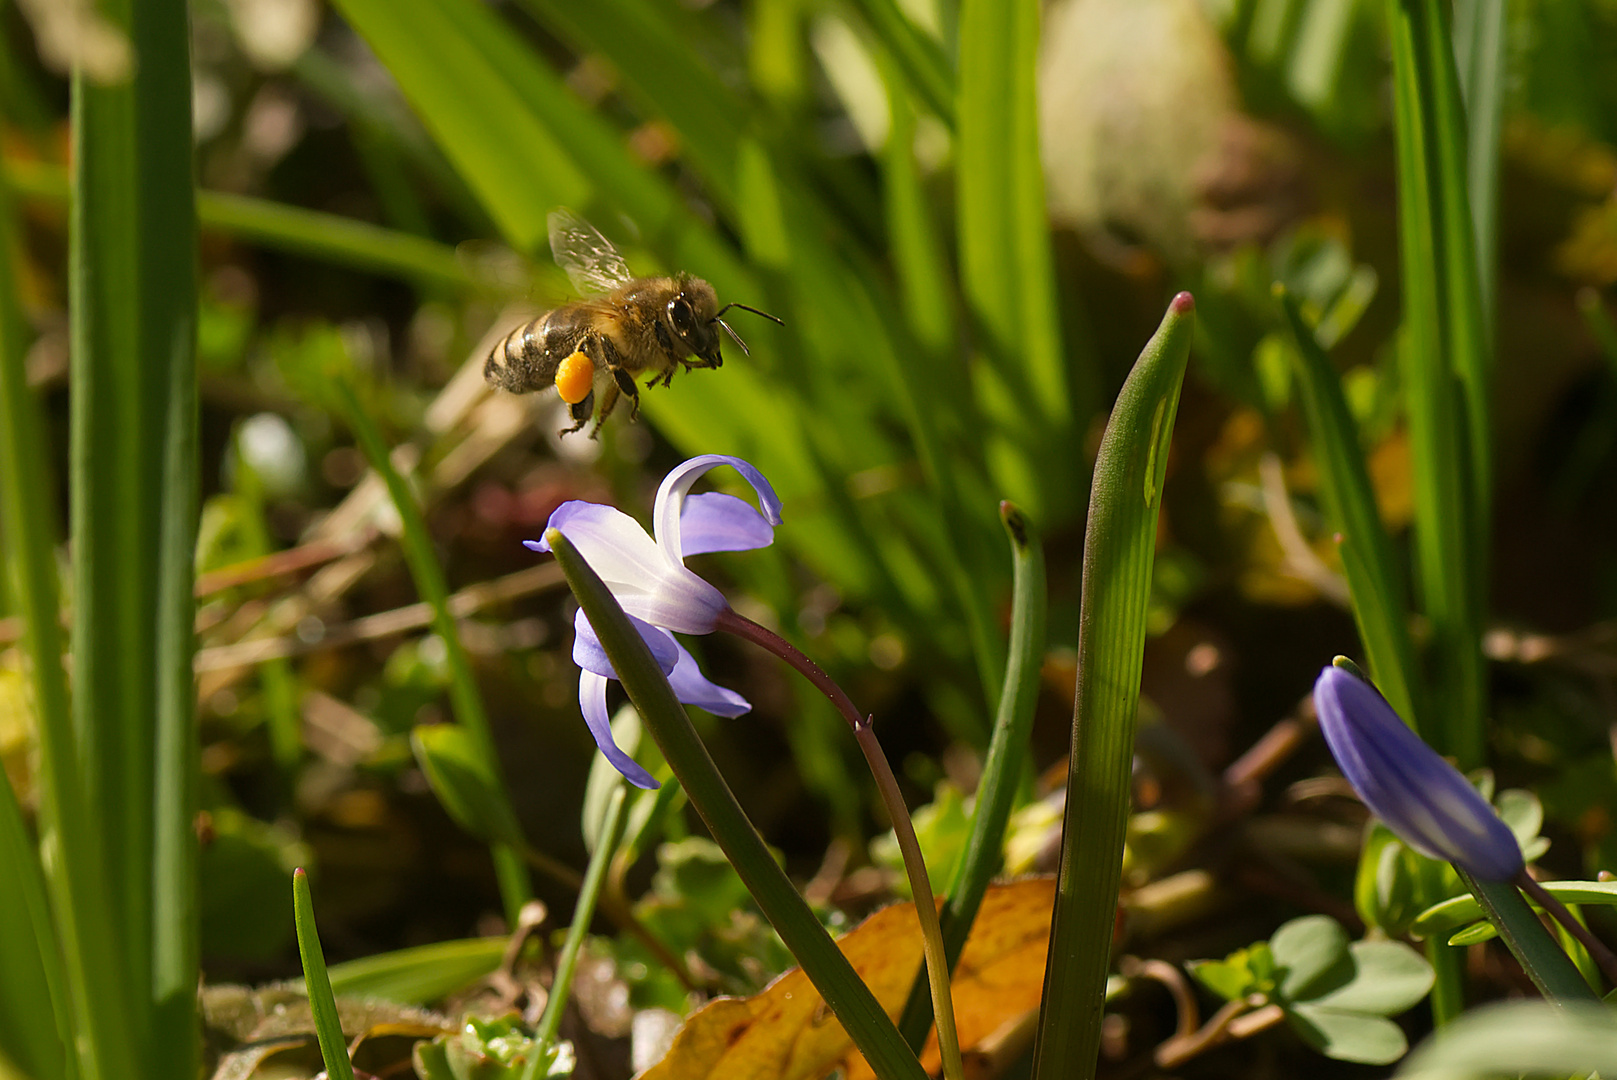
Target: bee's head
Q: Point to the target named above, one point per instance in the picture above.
(696, 319)
(690, 315)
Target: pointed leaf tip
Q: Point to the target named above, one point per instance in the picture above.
(1182, 304)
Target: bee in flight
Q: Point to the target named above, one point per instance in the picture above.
(622, 327)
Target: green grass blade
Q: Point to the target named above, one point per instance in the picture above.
(34, 1018)
(647, 45)
(322, 1004)
(76, 880)
(1002, 769)
(921, 58)
(1118, 550)
(168, 322)
(1006, 266)
(1448, 423)
(1551, 970)
(1479, 47)
(1373, 576)
(610, 836)
(472, 109)
(329, 237)
(134, 489)
(662, 715)
(419, 975)
(515, 888)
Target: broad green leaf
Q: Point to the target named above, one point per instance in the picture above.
(1519, 1038)
(1388, 978)
(1119, 546)
(1312, 955)
(1348, 1036)
(459, 775)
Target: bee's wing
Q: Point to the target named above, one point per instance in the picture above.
(591, 262)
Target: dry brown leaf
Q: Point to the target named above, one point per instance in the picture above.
(787, 1033)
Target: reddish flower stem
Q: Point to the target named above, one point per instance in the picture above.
(926, 907)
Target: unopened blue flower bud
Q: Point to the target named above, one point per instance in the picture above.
(1406, 784)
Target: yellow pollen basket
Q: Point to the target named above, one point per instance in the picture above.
(575, 377)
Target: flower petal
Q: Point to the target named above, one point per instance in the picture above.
(714, 521)
(589, 655)
(693, 688)
(592, 703)
(1406, 784)
(666, 513)
(649, 584)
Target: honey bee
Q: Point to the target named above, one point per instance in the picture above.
(624, 326)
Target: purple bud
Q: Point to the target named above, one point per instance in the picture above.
(1406, 784)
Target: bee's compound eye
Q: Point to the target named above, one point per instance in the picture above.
(575, 377)
(679, 310)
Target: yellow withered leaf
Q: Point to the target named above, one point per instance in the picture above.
(787, 1033)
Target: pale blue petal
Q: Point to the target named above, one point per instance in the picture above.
(592, 703)
(693, 688)
(642, 577)
(667, 511)
(589, 655)
(714, 521)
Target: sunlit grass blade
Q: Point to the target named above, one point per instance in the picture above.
(1373, 576)
(1479, 48)
(419, 975)
(1119, 547)
(926, 68)
(1006, 265)
(648, 46)
(1444, 371)
(134, 485)
(322, 1004)
(515, 888)
(1004, 766)
(662, 715)
(331, 238)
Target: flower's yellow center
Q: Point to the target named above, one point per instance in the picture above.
(574, 378)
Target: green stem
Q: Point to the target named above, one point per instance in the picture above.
(660, 711)
(926, 908)
(1543, 960)
(1596, 948)
(611, 836)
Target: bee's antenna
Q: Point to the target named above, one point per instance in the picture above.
(735, 337)
(744, 307)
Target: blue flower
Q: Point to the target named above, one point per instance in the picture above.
(648, 577)
(1406, 784)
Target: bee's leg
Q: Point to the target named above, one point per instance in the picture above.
(580, 411)
(608, 403)
(624, 382)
